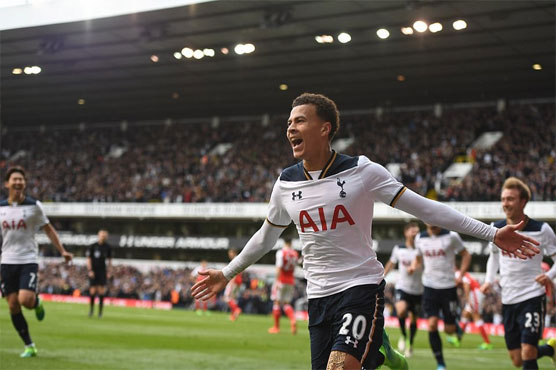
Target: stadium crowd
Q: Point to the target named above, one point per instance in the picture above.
(173, 285)
(158, 284)
(191, 162)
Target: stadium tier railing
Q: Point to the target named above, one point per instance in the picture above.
(485, 211)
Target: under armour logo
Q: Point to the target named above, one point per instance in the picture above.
(349, 341)
(342, 192)
(296, 195)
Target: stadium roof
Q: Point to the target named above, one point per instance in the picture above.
(107, 62)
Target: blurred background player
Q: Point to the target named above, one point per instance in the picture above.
(97, 254)
(473, 306)
(409, 287)
(284, 286)
(437, 249)
(21, 217)
(195, 274)
(232, 289)
(522, 281)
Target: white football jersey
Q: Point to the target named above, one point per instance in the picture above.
(333, 215)
(439, 257)
(19, 224)
(404, 256)
(517, 276)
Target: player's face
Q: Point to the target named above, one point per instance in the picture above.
(512, 204)
(411, 232)
(232, 255)
(433, 230)
(306, 132)
(102, 236)
(15, 184)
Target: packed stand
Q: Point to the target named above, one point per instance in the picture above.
(180, 162)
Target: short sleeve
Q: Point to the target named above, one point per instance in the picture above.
(277, 214)
(457, 242)
(279, 259)
(418, 245)
(549, 240)
(379, 182)
(41, 218)
(393, 256)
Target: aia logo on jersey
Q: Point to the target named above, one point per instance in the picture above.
(435, 253)
(13, 226)
(406, 263)
(341, 214)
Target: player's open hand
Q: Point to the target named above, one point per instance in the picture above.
(485, 288)
(542, 279)
(520, 245)
(207, 288)
(67, 256)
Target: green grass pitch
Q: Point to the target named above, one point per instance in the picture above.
(127, 338)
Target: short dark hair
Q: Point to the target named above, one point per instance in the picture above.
(14, 169)
(326, 109)
(409, 225)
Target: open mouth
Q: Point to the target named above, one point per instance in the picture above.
(296, 142)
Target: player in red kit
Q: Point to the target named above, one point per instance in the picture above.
(284, 286)
(195, 274)
(472, 309)
(232, 290)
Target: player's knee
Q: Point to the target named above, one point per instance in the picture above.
(450, 328)
(516, 358)
(27, 301)
(528, 352)
(433, 324)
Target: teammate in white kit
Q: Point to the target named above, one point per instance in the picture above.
(437, 249)
(522, 281)
(409, 287)
(283, 288)
(330, 198)
(21, 217)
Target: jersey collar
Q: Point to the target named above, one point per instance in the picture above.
(324, 169)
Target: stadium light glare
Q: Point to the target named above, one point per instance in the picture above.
(324, 39)
(537, 67)
(459, 25)
(187, 52)
(420, 26)
(383, 33)
(224, 51)
(177, 55)
(283, 87)
(407, 30)
(249, 48)
(28, 70)
(17, 71)
(154, 58)
(208, 52)
(80, 101)
(435, 27)
(344, 37)
(36, 70)
(239, 49)
(198, 54)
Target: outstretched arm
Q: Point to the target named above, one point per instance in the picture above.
(53, 236)
(438, 214)
(259, 244)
